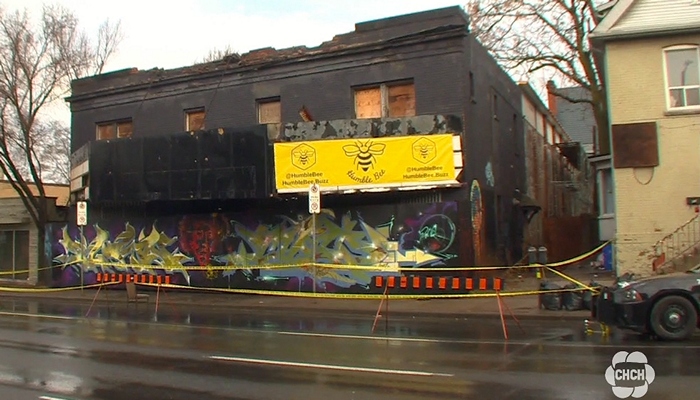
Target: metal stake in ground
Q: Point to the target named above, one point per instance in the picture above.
(383, 302)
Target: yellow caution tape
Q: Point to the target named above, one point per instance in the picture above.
(580, 257)
(46, 290)
(377, 268)
(382, 267)
(26, 271)
(368, 296)
(570, 279)
(312, 295)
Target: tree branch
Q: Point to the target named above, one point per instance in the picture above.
(37, 64)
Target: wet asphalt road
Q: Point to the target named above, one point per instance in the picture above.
(50, 351)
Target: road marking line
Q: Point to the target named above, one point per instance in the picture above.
(403, 339)
(539, 341)
(16, 314)
(50, 398)
(329, 366)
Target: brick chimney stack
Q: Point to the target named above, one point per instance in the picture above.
(551, 98)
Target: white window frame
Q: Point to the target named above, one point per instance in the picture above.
(668, 88)
(604, 189)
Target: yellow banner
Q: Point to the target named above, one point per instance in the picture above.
(344, 164)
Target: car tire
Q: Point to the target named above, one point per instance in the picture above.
(673, 318)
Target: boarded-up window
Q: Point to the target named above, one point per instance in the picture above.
(106, 131)
(635, 145)
(270, 112)
(114, 130)
(194, 119)
(395, 100)
(368, 103)
(124, 129)
(402, 101)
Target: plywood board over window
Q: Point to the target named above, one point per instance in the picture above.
(114, 130)
(269, 112)
(106, 131)
(402, 100)
(635, 145)
(386, 100)
(124, 129)
(194, 119)
(368, 103)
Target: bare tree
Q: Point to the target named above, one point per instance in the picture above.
(50, 148)
(38, 60)
(53, 151)
(219, 54)
(526, 36)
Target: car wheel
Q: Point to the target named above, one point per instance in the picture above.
(673, 318)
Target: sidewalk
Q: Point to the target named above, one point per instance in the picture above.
(526, 307)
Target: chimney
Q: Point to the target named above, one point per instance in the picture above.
(551, 98)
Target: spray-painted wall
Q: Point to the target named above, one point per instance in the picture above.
(229, 245)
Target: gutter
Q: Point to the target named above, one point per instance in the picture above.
(610, 36)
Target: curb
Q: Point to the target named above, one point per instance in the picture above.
(325, 311)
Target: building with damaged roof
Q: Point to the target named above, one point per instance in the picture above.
(410, 128)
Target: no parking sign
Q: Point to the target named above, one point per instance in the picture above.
(314, 199)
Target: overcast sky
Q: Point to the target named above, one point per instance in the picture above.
(175, 33)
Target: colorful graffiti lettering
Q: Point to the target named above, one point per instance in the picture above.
(125, 253)
(235, 246)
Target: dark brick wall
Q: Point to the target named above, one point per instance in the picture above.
(323, 86)
(440, 66)
(494, 137)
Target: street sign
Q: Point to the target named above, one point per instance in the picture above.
(82, 213)
(314, 199)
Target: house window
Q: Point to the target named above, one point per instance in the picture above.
(386, 100)
(194, 119)
(682, 76)
(269, 111)
(607, 192)
(114, 130)
(14, 254)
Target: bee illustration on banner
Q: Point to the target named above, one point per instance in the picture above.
(364, 153)
(303, 156)
(424, 149)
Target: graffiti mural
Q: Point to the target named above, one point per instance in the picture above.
(477, 207)
(262, 250)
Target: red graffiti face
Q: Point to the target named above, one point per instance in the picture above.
(202, 237)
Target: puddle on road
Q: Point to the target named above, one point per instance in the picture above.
(55, 382)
